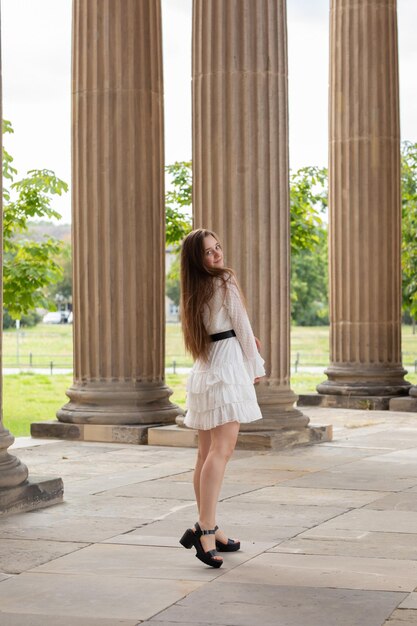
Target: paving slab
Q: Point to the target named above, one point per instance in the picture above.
(341, 498)
(90, 596)
(408, 456)
(3, 576)
(59, 448)
(227, 604)
(31, 619)
(270, 533)
(405, 501)
(150, 454)
(302, 570)
(233, 514)
(239, 475)
(253, 479)
(410, 602)
(390, 438)
(254, 532)
(377, 521)
(350, 542)
(176, 490)
(25, 442)
(80, 469)
(402, 617)
(172, 490)
(136, 539)
(57, 528)
(121, 477)
(19, 555)
(248, 476)
(102, 505)
(132, 561)
(87, 457)
(365, 475)
(154, 622)
(308, 459)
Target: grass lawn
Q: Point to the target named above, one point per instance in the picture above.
(37, 397)
(31, 398)
(34, 397)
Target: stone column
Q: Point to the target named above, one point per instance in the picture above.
(240, 173)
(17, 493)
(118, 216)
(365, 202)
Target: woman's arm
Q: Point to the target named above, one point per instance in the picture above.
(243, 328)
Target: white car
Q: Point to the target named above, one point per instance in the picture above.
(53, 317)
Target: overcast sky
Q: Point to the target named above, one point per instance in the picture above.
(36, 49)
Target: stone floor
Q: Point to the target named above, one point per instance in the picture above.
(329, 534)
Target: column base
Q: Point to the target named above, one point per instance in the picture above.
(278, 409)
(119, 403)
(31, 495)
(178, 436)
(413, 391)
(13, 472)
(408, 404)
(366, 381)
(369, 403)
(136, 434)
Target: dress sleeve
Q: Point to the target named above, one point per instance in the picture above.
(244, 333)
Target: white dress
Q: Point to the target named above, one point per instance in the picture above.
(221, 389)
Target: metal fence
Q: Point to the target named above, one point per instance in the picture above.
(301, 362)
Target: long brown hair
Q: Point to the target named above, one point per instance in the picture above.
(197, 287)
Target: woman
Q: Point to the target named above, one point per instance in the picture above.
(220, 392)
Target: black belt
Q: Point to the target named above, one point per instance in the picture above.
(224, 335)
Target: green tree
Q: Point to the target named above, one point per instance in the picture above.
(409, 227)
(309, 284)
(309, 266)
(177, 198)
(308, 202)
(29, 267)
(64, 285)
(178, 218)
(173, 281)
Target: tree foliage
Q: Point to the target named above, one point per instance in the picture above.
(63, 288)
(173, 281)
(409, 227)
(309, 284)
(309, 266)
(29, 267)
(179, 196)
(308, 201)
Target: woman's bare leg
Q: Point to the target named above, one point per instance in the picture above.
(223, 442)
(204, 442)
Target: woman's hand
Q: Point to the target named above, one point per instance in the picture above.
(256, 381)
(258, 344)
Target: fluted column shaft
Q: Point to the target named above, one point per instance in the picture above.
(240, 171)
(364, 201)
(118, 215)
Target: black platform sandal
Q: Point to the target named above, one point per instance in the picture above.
(192, 538)
(230, 546)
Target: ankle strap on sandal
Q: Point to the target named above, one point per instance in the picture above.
(200, 531)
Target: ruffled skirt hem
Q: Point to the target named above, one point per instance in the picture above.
(221, 389)
(242, 412)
